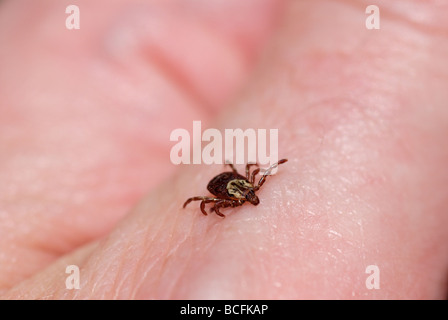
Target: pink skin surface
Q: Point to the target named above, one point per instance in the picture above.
(85, 174)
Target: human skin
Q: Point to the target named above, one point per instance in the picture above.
(86, 179)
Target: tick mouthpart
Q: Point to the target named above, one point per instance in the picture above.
(252, 198)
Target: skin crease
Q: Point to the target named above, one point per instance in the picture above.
(362, 117)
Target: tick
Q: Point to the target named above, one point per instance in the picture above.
(232, 189)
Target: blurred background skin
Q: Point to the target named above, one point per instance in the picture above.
(85, 176)
(86, 114)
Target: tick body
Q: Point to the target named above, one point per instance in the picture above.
(230, 189)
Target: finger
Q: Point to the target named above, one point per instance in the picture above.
(86, 114)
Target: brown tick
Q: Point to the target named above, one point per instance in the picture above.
(232, 189)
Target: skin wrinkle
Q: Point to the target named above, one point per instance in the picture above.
(171, 292)
(152, 241)
(170, 249)
(248, 248)
(95, 264)
(139, 274)
(126, 279)
(97, 279)
(149, 268)
(123, 274)
(143, 270)
(90, 275)
(264, 266)
(88, 249)
(138, 283)
(180, 277)
(209, 246)
(122, 277)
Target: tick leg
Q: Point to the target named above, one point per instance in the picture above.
(203, 207)
(207, 199)
(222, 203)
(248, 170)
(203, 202)
(267, 172)
(252, 176)
(212, 209)
(231, 166)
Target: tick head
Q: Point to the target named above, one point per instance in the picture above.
(252, 198)
(242, 189)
